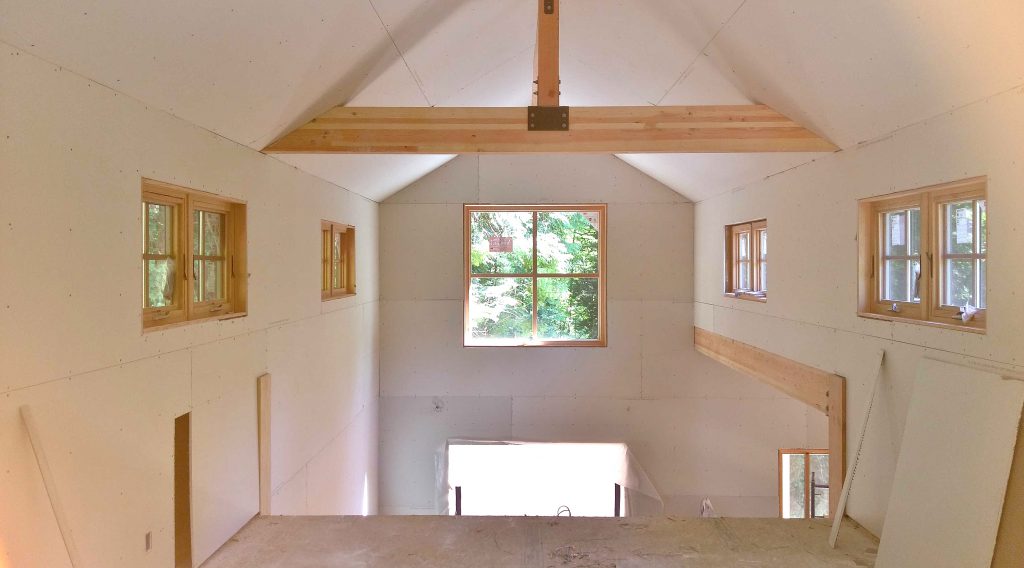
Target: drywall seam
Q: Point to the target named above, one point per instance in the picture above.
(1009, 367)
(169, 113)
(273, 325)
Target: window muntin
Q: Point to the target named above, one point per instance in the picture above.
(534, 275)
(193, 255)
(747, 260)
(923, 255)
(338, 272)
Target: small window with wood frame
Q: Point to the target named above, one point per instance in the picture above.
(923, 256)
(193, 256)
(535, 275)
(338, 260)
(746, 260)
(803, 484)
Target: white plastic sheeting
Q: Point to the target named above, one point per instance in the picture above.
(536, 478)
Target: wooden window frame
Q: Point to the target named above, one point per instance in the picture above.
(347, 234)
(757, 292)
(808, 503)
(601, 275)
(931, 201)
(185, 309)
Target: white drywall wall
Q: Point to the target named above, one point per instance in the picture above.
(696, 427)
(811, 313)
(105, 394)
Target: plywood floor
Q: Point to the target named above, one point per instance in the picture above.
(540, 542)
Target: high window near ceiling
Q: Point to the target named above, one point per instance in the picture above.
(535, 275)
(746, 260)
(337, 260)
(193, 255)
(923, 255)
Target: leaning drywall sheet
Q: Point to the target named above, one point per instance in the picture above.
(954, 463)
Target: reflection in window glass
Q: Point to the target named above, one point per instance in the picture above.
(901, 255)
(501, 308)
(963, 264)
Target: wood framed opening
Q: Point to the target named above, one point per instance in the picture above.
(746, 260)
(338, 260)
(803, 484)
(193, 256)
(923, 256)
(183, 491)
(535, 275)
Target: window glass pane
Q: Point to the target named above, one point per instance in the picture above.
(501, 308)
(501, 242)
(982, 283)
(744, 280)
(763, 236)
(567, 242)
(160, 281)
(983, 226)
(959, 282)
(336, 262)
(744, 252)
(895, 228)
(819, 477)
(325, 284)
(213, 233)
(213, 280)
(960, 227)
(793, 485)
(159, 228)
(764, 276)
(915, 280)
(914, 232)
(567, 308)
(896, 281)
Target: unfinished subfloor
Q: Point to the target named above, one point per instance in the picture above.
(541, 542)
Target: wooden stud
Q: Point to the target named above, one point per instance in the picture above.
(51, 486)
(447, 130)
(836, 441)
(546, 62)
(1009, 551)
(263, 419)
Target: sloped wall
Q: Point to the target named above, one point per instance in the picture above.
(698, 428)
(105, 394)
(811, 314)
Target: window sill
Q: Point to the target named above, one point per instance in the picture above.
(747, 296)
(592, 343)
(221, 317)
(978, 327)
(336, 297)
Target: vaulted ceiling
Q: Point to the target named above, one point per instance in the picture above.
(251, 70)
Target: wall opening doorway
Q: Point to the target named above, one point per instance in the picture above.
(537, 479)
(803, 484)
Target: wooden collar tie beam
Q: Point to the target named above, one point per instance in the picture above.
(546, 127)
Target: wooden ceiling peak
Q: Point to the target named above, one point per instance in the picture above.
(553, 129)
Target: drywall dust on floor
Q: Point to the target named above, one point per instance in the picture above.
(514, 542)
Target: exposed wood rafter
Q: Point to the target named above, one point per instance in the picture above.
(477, 130)
(824, 391)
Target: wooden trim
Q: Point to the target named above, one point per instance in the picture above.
(836, 441)
(546, 61)
(1009, 551)
(50, 485)
(329, 231)
(929, 311)
(263, 417)
(481, 130)
(234, 256)
(535, 276)
(757, 291)
(183, 491)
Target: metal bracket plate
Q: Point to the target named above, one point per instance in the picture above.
(547, 118)
(549, 6)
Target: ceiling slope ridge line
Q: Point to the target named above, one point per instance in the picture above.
(150, 106)
(415, 77)
(702, 53)
(869, 142)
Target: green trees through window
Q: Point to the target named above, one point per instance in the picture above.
(534, 275)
